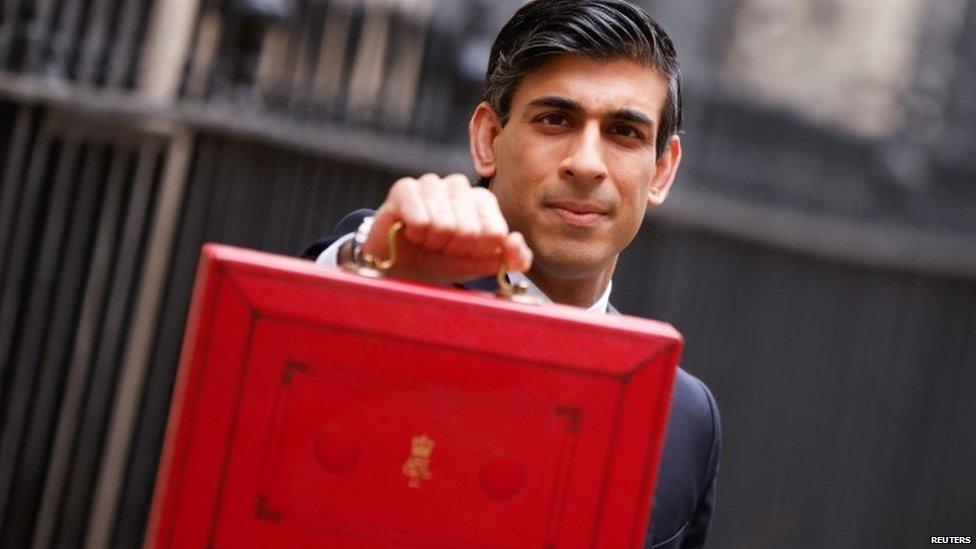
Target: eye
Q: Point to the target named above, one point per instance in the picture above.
(626, 130)
(554, 119)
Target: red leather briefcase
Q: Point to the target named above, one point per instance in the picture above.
(319, 408)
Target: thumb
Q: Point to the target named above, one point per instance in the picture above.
(377, 242)
(518, 256)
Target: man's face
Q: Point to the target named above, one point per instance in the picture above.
(575, 167)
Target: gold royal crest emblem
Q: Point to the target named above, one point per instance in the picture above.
(417, 466)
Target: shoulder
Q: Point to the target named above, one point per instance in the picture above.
(694, 411)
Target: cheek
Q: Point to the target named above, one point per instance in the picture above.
(508, 184)
(634, 174)
(634, 185)
(530, 157)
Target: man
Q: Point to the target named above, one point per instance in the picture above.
(577, 134)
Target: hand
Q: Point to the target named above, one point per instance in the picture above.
(452, 231)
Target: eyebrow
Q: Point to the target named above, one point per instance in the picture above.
(630, 115)
(625, 114)
(556, 102)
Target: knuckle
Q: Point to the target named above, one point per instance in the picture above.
(484, 193)
(458, 187)
(428, 183)
(486, 197)
(402, 186)
(458, 179)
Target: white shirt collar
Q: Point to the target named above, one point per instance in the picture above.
(599, 307)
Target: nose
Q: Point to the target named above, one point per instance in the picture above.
(585, 163)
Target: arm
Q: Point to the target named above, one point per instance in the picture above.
(453, 232)
(701, 520)
(346, 226)
(333, 250)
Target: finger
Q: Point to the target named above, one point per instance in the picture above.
(518, 256)
(494, 229)
(439, 210)
(467, 222)
(406, 204)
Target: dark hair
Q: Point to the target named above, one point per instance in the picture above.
(599, 29)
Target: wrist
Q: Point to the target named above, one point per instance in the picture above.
(347, 253)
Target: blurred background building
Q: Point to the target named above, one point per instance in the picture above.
(818, 251)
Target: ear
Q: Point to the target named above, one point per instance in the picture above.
(667, 168)
(483, 130)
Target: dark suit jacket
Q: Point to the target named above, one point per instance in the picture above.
(684, 500)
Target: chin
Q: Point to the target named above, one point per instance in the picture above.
(570, 260)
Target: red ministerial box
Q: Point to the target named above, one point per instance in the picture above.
(318, 408)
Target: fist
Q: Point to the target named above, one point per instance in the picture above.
(452, 232)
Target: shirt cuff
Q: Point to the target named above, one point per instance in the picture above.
(330, 256)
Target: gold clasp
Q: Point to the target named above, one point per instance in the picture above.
(513, 292)
(371, 266)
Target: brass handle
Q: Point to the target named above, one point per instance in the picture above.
(513, 292)
(372, 266)
(383, 265)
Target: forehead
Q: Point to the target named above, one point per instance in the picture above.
(599, 86)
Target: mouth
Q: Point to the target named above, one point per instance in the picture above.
(579, 214)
